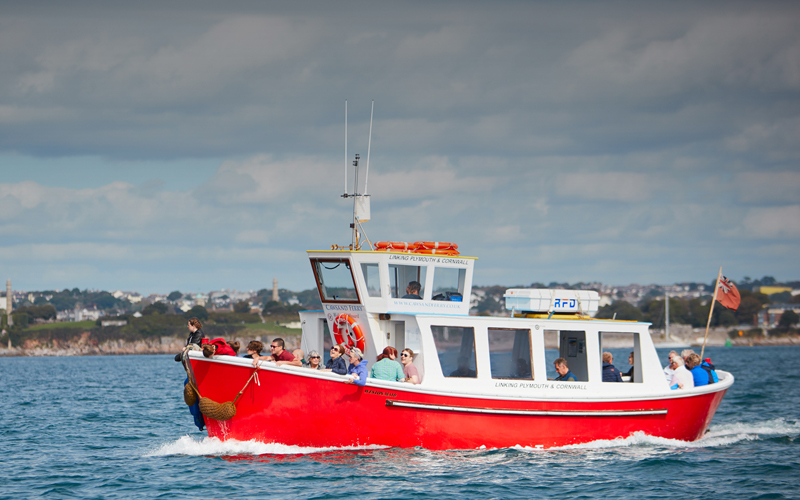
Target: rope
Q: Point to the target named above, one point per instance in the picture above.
(208, 407)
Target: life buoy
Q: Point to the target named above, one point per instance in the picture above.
(436, 245)
(347, 331)
(395, 245)
(431, 251)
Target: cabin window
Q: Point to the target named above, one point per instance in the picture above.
(510, 353)
(401, 276)
(455, 346)
(448, 283)
(335, 280)
(372, 279)
(622, 346)
(570, 345)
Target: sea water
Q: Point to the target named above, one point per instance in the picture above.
(117, 427)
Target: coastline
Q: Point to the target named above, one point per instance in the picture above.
(83, 344)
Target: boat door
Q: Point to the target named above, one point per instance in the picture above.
(572, 347)
(398, 335)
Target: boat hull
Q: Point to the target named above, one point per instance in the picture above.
(285, 406)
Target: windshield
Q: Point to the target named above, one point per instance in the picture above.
(335, 280)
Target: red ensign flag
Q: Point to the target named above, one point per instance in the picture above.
(728, 295)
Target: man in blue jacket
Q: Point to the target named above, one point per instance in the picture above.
(358, 367)
(610, 372)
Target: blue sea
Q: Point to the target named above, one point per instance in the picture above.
(117, 427)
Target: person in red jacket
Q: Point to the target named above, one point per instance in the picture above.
(217, 347)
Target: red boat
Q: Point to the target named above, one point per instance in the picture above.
(485, 381)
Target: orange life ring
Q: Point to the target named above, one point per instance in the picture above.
(436, 245)
(430, 251)
(388, 246)
(347, 331)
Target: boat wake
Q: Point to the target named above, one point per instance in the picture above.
(718, 435)
(211, 446)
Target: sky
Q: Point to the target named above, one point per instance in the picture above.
(155, 146)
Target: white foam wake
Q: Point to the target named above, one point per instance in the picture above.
(211, 446)
(719, 435)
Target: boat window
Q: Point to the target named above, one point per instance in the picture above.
(510, 354)
(455, 346)
(401, 276)
(372, 279)
(335, 280)
(569, 345)
(448, 283)
(622, 346)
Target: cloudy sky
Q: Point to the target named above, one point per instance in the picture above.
(161, 145)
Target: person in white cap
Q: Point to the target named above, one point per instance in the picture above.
(358, 367)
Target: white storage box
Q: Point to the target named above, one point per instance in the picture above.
(552, 300)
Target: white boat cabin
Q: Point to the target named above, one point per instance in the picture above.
(478, 356)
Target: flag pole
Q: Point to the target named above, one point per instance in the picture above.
(710, 312)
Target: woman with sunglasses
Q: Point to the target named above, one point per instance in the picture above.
(409, 370)
(314, 361)
(337, 363)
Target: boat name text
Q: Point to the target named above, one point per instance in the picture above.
(538, 385)
(344, 308)
(420, 258)
(381, 393)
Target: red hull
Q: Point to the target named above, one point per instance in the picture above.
(305, 411)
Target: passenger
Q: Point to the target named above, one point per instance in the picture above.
(195, 336)
(314, 361)
(217, 347)
(235, 345)
(630, 372)
(409, 370)
(386, 367)
(685, 354)
(706, 365)
(668, 371)
(682, 378)
(337, 363)
(700, 377)
(564, 375)
(254, 348)
(279, 355)
(298, 354)
(358, 367)
(412, 290)
(463, 369)
(523, 368)
(610, 372)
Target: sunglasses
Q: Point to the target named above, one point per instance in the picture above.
(314, 357)
(274, 346)
(404, 355)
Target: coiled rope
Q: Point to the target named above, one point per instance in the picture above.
(209, 407)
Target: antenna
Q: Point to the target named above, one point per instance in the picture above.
(345, 146)
(369, 143)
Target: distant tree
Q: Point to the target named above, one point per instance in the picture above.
(623, 310)
(780, 298)
(103, 300)
(242, 307)
(198, 312)
(727, 318)
(750, 305)
(155, 308)
(173, 296)
(273, 307)
(489, 305)
(789, 318)
(39, 300)
(63, 301)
